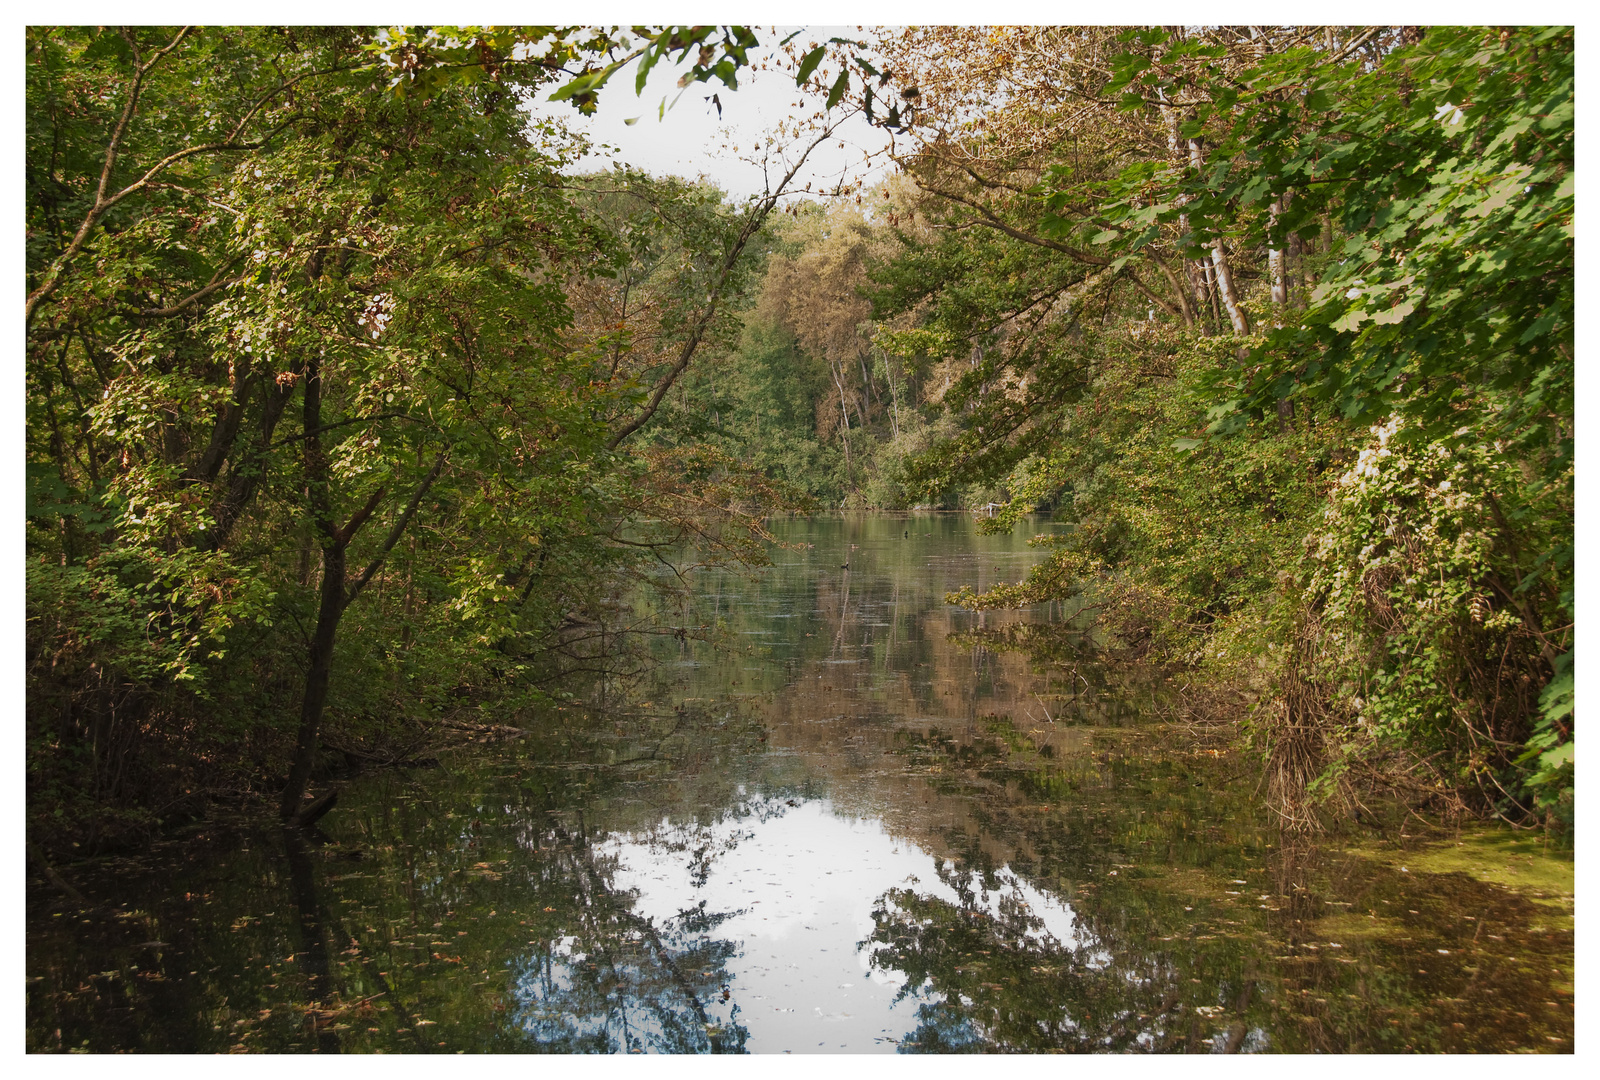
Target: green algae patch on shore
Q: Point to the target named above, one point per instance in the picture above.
(1495, 855)
(1350, 926)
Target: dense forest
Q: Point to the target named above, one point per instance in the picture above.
(355, 409)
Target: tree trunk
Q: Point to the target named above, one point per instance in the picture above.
(1196, 274)
(1277, 265)
(1219, 260)
(318, 676)
(1230, 298)
(1185, 308)
(894, 396)
(844, 434)
(1297, 269)
(319, 669)
(1197, 290)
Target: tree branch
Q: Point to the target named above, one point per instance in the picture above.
(989, 219)
(195, 298)
(1151, 296)
(752, 225)
(53, 276)
(1359, 41)
(102, 203)
(396, 532)
(346, 534)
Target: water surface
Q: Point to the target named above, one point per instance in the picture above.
(865, 822)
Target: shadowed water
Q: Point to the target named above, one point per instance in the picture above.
(865, 822)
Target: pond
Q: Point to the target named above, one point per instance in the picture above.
(864, 822)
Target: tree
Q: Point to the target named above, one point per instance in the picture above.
(282, 309)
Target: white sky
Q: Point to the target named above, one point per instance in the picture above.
(690, 140)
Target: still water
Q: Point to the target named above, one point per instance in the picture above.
(864, 822)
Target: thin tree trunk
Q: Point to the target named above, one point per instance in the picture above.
(1296, 257)
(1209, 272)
(1230, 298)
(1196, 274)
(1219, 259)
(1277, 265)
(894, 396)
(1185, 309)
(338, 592)
(844, 434)
(1281, 261)
(318, 676)
(1192, 312)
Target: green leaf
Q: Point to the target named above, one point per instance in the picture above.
(808, 64)
(840, 85)
(1394, 314)
(1554, 759)
(1557, 699)
(1351, 321)
(1541, 325)
(646, 62)
(107, 44)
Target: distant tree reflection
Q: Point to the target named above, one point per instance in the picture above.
(617, 982)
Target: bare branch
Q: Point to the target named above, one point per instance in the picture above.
(193, 299)
(991, 221)
(1360, 40)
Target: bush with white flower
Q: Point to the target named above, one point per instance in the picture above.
(1436, 638)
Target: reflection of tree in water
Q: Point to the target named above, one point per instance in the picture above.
(699, 842)
(617, 982)
(997, 980)
(1077, 678)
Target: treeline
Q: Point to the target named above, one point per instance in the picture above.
(815, 392)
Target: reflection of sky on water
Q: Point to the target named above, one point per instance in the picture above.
(802, 883)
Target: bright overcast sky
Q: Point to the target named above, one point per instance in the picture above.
(690, 141)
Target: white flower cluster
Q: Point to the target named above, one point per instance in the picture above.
(379, 310)
(1366, 465)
